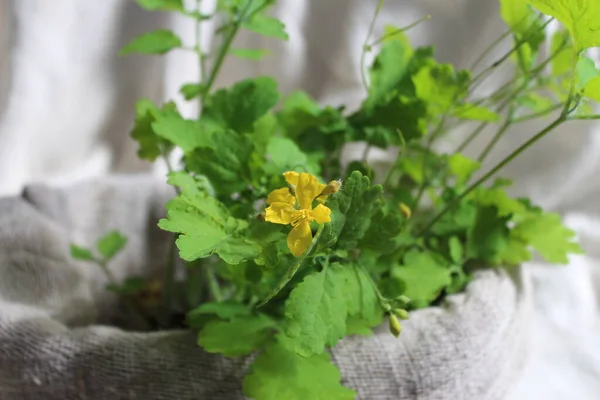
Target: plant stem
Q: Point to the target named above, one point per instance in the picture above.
(489, 49)
(496, 168)
(130, 305)
(497, 136)
(537, 114)
(293, 269)
(399, 30)
(200, 53)
(213, 283)
(223, 52)
(365, 48)
(585, 117)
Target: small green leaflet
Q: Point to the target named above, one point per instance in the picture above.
(498, 198)
(81, 253)
(285, 155)
(243, 104)
(475, 113)
(548, 236)
(250, 54)
(353, 208)
(279, 374)
(225, 163)
(462, 167)
(205, 226)
(364, 310)
(110, 244)
(191, 90)
(156, 42)
(580, 17)
(186, 134)
(162, 5)
(487, 238)
(518, 15)
(237, 337)
(423, 274)
(592, 89)
(439, 86)
(316, 312)
(266, 26)
(150, 145)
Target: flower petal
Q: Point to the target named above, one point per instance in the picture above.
(299, 238)
(282, 195)
(321, 214)
(291, 177)
(279, 213)
(307, 189)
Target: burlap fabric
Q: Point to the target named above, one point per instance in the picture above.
(55, 344)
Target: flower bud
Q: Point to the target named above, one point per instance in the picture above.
(332, 187)
(400, 313)
(395, 327)
(405, 210)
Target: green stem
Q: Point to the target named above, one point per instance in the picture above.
(129, 304)
(497, 136)
(293, 268)
(223, 52)
(199, 52)
(537, 114)
(365, 153)
(399, 30)
(493, 171)
(489, 49)
(363, 75)
(585, 117)
(213, 283)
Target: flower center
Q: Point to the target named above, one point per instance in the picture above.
(300, 216)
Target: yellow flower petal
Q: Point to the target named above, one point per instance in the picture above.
(282, 195)
(299, 238)
(321, 214)
(291, 177)
(279, 213)
(307, 189)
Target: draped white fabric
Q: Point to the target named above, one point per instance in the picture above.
(66, 107)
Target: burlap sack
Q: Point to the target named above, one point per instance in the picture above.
(53, 344)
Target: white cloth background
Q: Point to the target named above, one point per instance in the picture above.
(66, 105)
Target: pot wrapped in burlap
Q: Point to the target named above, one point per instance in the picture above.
(56, 344)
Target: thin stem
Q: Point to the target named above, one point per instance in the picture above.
(293, 268)
(199, 52)
(223, 52)
(169, 280)
(537, 114)
(495, 139)
(363, 55)
(365, 153)
(493, 171)
(489, 49)
(585, 117)
(213, 283)
(399, 30)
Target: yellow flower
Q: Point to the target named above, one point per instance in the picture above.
(296, 209)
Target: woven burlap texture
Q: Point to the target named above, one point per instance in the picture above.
(55, 343)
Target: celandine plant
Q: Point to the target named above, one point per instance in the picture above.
(288, 250)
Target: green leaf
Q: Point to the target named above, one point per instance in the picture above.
(237, 337)
(390, 66)
(423, 274)
(226, 163)
(191, 90)
(278, 374)
(250, 54)
(580, 17)
(383, 233)
(475, 113)
(186, 134)
(535, 102)
(285, 155)
(498, 198)
(548, 236)
(592, 89)
(243, 104)
(266, 26)
(364, 310)
(157, 42)
(462, 167)
(456, 250)
(110, 244)
(162, 5)
(81, 253)
(150, 145)
(353, 208)
(487, 238)
(518, 15)
(223, 310)
(440, 87)
(204, 224)
(316, 313)
(561, 47)
(586, 71)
